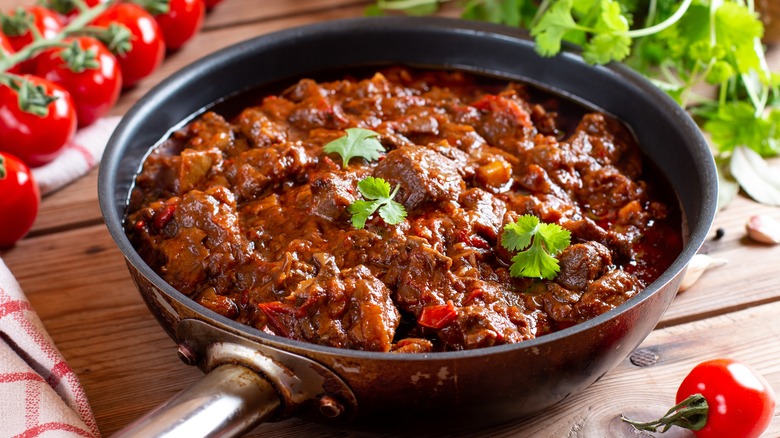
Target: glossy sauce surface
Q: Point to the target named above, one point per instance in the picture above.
(249, 217)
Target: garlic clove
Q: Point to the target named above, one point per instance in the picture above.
(764, 229)
(699, 264)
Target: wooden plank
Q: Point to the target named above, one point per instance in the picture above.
(72, 206)
(7, 5)
(128, 365)
(749, 277)
(236, 12)
(751, 336)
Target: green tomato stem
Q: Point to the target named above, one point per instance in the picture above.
(37, 36)
(690, 413)
(41, 44)
(6, 78)
(81, 5)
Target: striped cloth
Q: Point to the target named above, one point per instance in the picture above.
(40, 395)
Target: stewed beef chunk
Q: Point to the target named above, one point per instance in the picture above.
(425, 176)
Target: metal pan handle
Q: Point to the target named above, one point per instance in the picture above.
(246, 383)
(226, 402)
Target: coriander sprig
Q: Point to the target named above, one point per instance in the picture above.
(358, 142)
(377, 191)
(537, 243)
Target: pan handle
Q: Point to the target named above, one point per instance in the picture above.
(226, 402)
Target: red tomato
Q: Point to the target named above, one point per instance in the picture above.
(211, 3)
(94, 90)
(19, 200)
(36, 140)
(181, 22)
(48, 24)
(741, 402)
(5, 47)
(148, 46)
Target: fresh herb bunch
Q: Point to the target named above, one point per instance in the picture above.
(681, 46)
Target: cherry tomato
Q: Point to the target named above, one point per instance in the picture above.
(94, 90)
(181, 22)
(36, 140)
(211, 3)
(5, 47)
(741, 402)
(148, 46)
(48, 24)
(19, 199)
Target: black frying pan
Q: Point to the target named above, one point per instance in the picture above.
(267, 377)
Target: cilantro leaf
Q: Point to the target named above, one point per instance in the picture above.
(357, 143)
(361, 211)
(737, 28)
(607, 47)
(555, 238)
(392, 212)
(518, 235)
(509, 12)
(377, 191)
(610, 40)
(737, 124)
(534, 262)
(545, 240)
(550, 29)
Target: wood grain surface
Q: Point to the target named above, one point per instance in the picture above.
(77, 281)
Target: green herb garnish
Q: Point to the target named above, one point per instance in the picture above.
(378, 191)
(358, 142)
(542, 240)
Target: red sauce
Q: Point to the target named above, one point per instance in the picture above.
(249, 217)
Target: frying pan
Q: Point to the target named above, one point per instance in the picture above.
(252, 376)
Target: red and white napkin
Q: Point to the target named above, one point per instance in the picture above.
(78, 156)
(40, 395)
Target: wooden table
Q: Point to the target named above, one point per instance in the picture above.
(77, 281)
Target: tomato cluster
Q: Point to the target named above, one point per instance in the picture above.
(49, 90)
